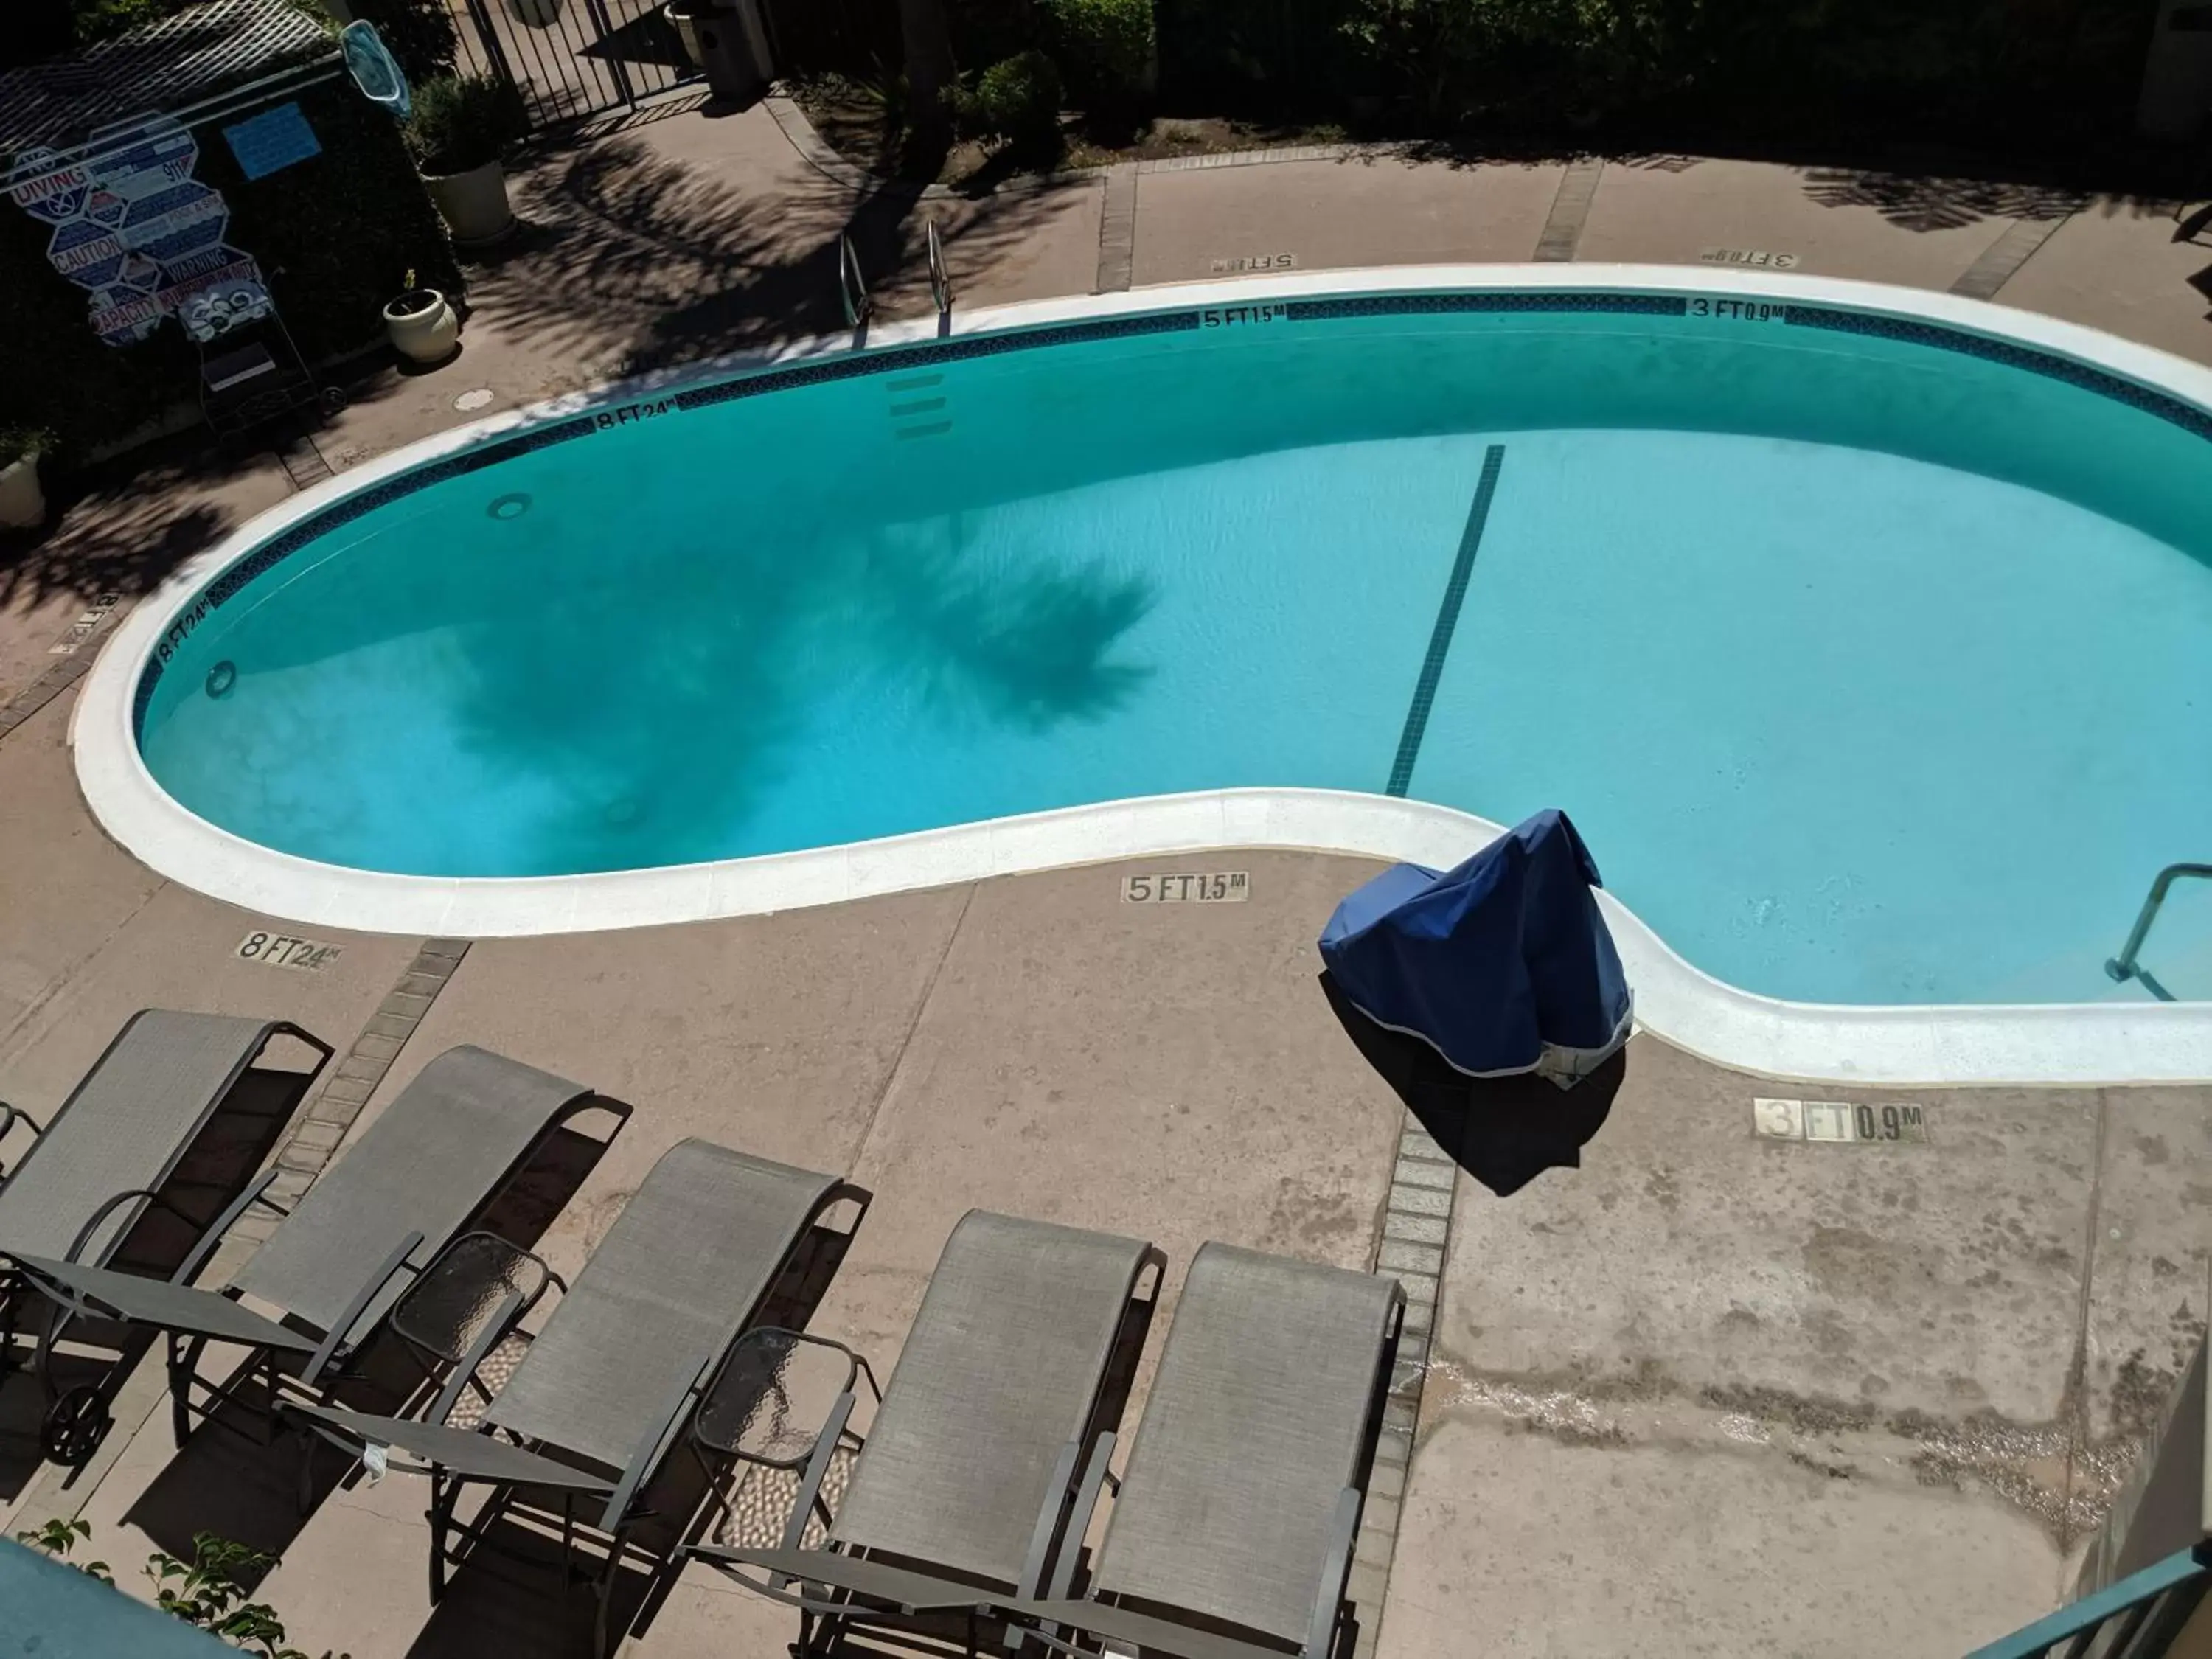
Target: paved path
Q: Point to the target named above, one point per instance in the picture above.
(1763, 1395)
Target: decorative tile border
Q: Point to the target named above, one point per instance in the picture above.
(859, 365)
(1571, 210)
(2084, 376)
(1416, 1233)
(347, 1088)
(1117, 231)
(1431, 305)
(2001, 261)
(855, 364)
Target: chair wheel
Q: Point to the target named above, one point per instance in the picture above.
(74, 1427)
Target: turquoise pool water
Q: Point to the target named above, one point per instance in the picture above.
(1872, 670)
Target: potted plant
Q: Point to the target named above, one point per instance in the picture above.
(536, 14)
(460, 126)
(422, 324)
(23, 504)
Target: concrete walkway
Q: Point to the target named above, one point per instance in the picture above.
(1711, 1394)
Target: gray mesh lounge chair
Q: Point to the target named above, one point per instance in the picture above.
(92, 1186)
(961, 1492)
(368, 1227)
(608, 1387)
(1243, 1490)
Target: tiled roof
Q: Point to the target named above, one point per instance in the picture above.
(161, 67)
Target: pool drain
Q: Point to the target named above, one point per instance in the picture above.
(509, 507)
(222, 677)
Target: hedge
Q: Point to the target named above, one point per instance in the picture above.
(334, 236)
(2027, 73)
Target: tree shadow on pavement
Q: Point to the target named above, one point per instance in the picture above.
(630, 253)
(122, 527)
(1926, 204)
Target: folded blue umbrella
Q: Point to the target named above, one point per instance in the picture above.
(1502, 965)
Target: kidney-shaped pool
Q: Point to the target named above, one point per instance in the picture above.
(1871, 652)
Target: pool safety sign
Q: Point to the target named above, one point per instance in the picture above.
(131, 226)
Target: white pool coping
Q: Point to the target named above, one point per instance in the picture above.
(2046, 1044)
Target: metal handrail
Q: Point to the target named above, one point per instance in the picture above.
(2139, 1617)
(2124, 967)
(852, 287)
(940, 281)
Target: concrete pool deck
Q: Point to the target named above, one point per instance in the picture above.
(1770, 1397)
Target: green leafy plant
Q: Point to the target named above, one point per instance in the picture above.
(1017, 99)
(1106, 45)
(463, 121)
(210, 1591)
(19, 439)
(57, 1537)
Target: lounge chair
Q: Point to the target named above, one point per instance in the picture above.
(334, 1267)
(100, 1183)
(961, 1491)
(1232, 1534)
(607, 1387)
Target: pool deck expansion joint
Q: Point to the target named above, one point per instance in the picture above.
(1416, 1234)
(347, 1089)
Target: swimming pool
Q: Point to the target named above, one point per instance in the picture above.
(1869, 651)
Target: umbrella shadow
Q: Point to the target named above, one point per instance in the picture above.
(1504, 1131)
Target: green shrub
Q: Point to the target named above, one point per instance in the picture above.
(1018, 97)
(463, 121)
(1106, 45)
(20, 439)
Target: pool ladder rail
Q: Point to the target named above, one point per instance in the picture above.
(860, 306)
(2125, 967)
(940, 280)
(853, 287)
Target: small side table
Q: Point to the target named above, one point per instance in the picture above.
(451, 1317)
(780, 1402)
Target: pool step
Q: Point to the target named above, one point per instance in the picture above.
(918, 406)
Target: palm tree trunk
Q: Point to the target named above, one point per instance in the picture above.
(928, 41)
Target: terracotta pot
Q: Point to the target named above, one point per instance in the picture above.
(473, 204)
(423, 325)
(23, 504)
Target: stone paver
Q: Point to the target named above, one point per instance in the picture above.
(1358, 211)
(2140, 270)
(1563, 230)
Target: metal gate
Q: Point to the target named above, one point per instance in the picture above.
(573, 59)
